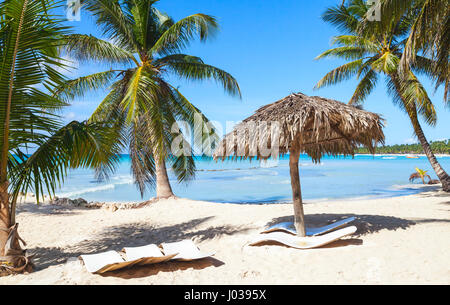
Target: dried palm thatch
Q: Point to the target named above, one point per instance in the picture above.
(302, 124)
(317, 126)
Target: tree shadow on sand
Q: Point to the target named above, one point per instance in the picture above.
(366, 224)
(135, 235)
(172, 266)
(433, 191)
(47, 209)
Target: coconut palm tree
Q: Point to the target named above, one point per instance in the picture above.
(143, 46)
(376, 52)
(429, 34)
(29, 40)
(420, 174)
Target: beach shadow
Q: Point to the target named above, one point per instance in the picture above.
(172, 266)
(132, 235)
(366, 224)
(48, 209)
(336, 244)
(433, 191)
(343, 243)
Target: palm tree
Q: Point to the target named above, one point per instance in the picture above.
(143, 45)
(429, 34)
(374, 51)
(29, 40)
(420, 174)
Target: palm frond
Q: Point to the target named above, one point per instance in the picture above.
(114, 22)
(191, 70)
(364, 88)
(82, 85)
(178, 36)
(75, 145)
(346, 52)
(341, 73)
(141, 155)
(89, 48)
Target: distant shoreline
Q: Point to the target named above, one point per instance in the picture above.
(402, 154)
(115, 205)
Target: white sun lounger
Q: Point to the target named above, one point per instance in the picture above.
(112, 260)
(106, 261)
(303, 242)
(150, 254)
(290, 228)
(184, 250)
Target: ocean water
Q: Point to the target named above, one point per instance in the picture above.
(266, 182)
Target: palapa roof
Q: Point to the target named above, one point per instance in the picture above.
(317, 126)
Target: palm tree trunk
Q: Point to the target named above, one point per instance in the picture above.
(5, 213)
(299, 217)
(5, 218)
(412, 113)
(163, 188)
(440, 172)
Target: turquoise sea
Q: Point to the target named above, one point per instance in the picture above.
(255, 182)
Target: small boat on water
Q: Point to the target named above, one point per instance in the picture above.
(412, 157)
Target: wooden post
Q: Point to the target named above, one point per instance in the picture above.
(299, 216)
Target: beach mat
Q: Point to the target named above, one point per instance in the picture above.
(185, 250)
(105, 262)
(147, 255)
(290, 228)
(303, 242)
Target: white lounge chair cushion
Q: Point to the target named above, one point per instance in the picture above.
(150, 254)
(97, 262)
(304, 242)
(184, 250)
(141, 252)
(290, 228)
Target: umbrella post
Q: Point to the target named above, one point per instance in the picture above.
(299, 217)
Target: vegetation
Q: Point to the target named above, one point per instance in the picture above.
(374, 50)
(142, 106)
(429, 34)
(420, 174)
(29, 41)
(438, 147)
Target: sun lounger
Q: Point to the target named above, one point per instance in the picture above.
(150, 254)
(290, 228)
(185, 250)
(104, 262)
(303, 242)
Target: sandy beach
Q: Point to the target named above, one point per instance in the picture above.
(400, 240)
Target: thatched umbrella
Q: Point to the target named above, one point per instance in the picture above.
(302, 124)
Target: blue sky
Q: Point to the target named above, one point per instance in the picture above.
(269, 47)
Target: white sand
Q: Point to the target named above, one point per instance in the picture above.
(399, 240)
